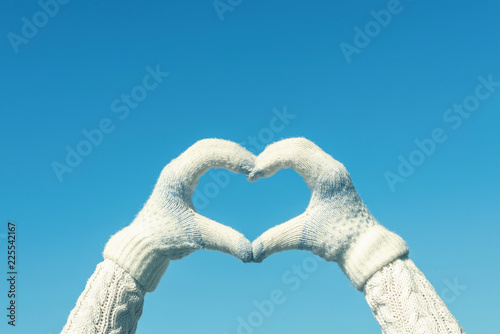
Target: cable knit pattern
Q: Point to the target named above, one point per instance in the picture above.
(111, 303)
(403, 301)
(336, 226)
(167, 228)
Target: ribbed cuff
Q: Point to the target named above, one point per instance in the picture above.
(372, 250)
(134, 251)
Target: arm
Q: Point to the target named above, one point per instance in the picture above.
(111, 303)
(338, 227)
(403, 301)
(167, 228)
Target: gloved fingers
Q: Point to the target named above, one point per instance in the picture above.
(286, 236)
(205, 154)
(214, 153)
(301, 154)
(216, 236)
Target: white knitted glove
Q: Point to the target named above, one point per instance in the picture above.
(168, 227)
(336, 225)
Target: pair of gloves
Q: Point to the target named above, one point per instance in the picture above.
(336, 225)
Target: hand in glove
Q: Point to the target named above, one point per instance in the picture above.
(336, 225)
(168, 227)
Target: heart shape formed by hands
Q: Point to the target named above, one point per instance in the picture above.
(336, 224)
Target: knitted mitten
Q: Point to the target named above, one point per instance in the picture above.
(168, 227)
(336, 225)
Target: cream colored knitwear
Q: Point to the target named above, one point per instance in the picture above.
(336, 225)
(168, 227)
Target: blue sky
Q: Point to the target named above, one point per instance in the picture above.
(411, 109)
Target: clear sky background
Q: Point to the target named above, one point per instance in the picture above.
(230, 73)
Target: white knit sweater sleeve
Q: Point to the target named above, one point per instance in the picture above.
(403, 301)
(111, 303)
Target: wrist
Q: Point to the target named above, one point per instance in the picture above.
(372, 250)
(133, 249)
